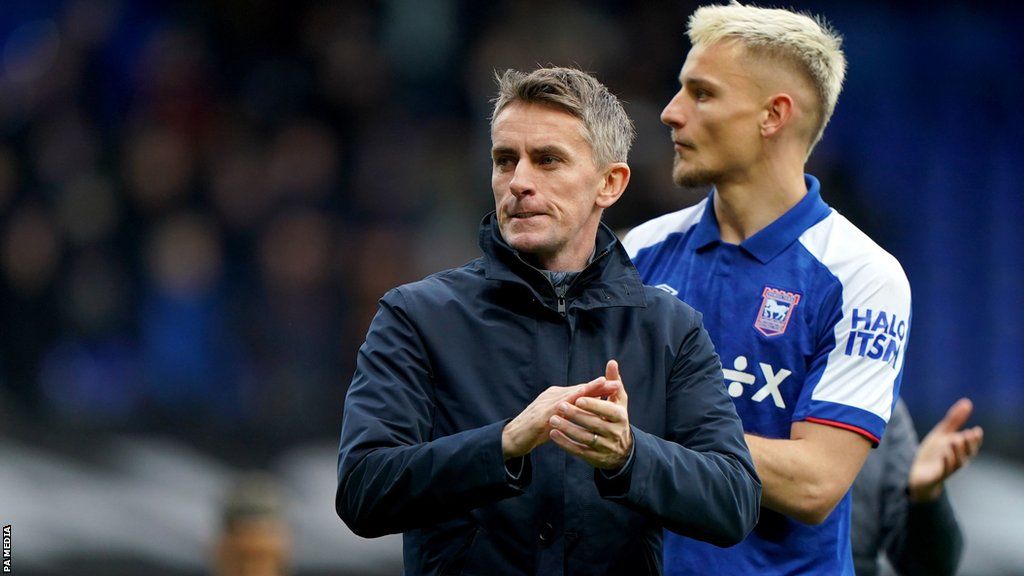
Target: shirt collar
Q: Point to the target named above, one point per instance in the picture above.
(774, 238)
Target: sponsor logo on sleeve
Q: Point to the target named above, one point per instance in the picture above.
(876, 334)
(776, 310)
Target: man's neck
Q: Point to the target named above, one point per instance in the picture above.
(575, 254)
(562, 262)
(745, 207)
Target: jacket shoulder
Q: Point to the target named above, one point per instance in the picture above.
(663, 304)
(442, 285)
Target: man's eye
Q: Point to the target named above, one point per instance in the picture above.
(701, 94)
(502, 161)
(548, 159)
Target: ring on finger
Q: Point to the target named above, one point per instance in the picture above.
(593, 441)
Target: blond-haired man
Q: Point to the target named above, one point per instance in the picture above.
(810, 316)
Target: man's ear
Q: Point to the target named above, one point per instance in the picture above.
(616, 178)
(777, 113)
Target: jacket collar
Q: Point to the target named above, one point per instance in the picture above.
(609, 280)
(777, 236)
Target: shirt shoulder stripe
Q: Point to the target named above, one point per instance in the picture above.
(657, 230)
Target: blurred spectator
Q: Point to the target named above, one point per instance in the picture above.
(30, 253)
(351, 68)
(159, 165)
(90, 375)
(303, 162)
(295, 336)
(255, 539)
(191, 362)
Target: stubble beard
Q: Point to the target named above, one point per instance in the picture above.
(693, 177)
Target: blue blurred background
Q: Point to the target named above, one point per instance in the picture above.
(200, 203)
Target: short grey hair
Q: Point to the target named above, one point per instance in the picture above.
(606, 126)
(808, 41)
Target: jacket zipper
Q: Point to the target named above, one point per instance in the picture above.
(564, 289)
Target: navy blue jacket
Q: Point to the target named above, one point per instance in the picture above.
(449, 360)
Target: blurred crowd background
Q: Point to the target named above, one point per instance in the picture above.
(202, 201)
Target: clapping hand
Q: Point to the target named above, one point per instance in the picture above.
(594, 428)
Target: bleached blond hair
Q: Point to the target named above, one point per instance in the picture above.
(807, 41)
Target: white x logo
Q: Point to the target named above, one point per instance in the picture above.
(772, 387)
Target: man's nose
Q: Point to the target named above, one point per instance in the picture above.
(672, 115)
(522, 180)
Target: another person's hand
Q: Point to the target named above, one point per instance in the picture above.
(942, 452)
(531, 427)
(595, 429)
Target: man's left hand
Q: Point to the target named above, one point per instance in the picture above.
(594, 429)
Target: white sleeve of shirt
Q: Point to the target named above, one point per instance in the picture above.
(865, 366)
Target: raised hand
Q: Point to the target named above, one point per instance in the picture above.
(942, 452)
(596, 429)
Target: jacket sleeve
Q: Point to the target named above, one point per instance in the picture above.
(919, 538)
(393, 476)
(700, 480)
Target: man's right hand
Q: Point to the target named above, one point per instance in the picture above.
(946, 449)
(532, 427)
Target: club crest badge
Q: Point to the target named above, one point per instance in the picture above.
(776, 310)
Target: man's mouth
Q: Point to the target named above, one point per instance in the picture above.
(524, 215)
